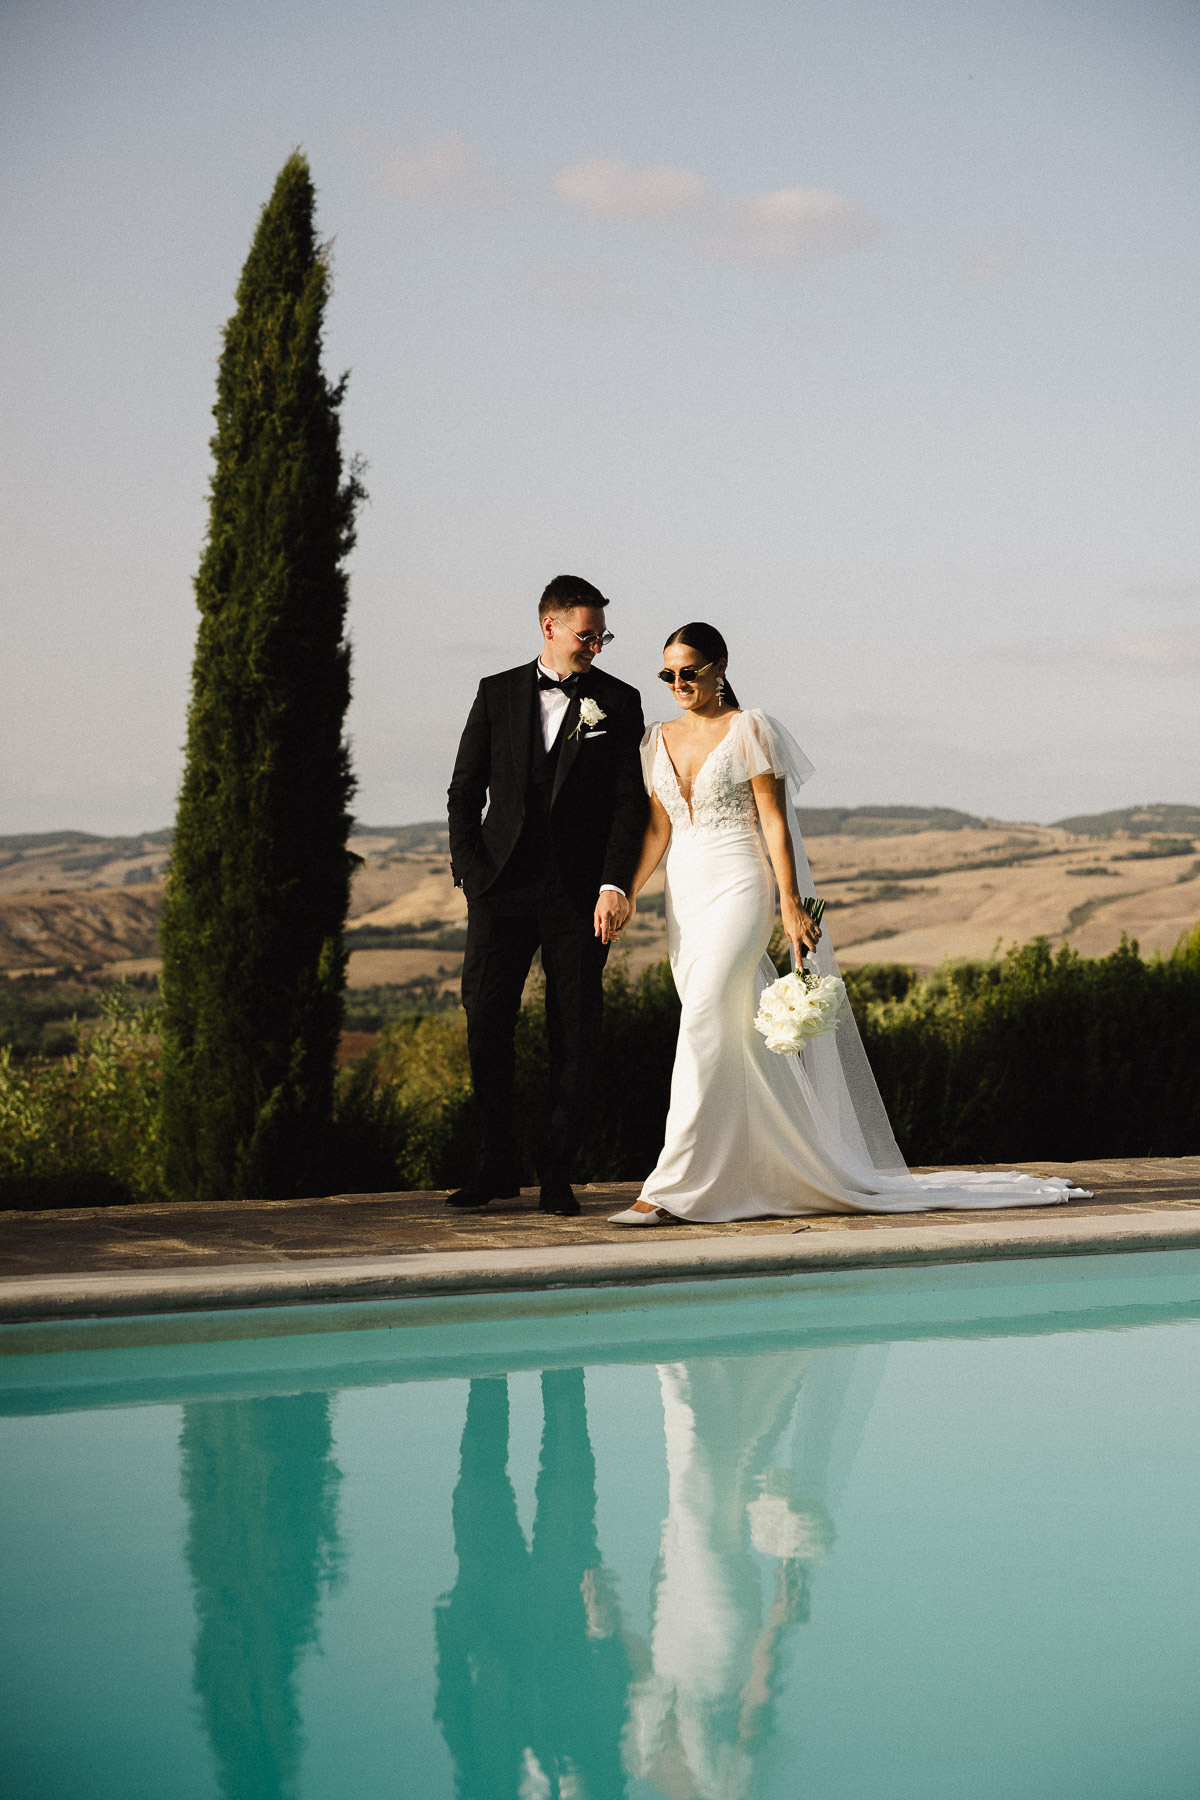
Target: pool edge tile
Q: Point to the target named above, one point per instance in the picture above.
(420, 1274)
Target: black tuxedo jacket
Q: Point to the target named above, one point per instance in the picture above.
(598, 808)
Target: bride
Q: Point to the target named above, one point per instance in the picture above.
(752, 1134)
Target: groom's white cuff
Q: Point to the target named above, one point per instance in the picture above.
(606, 887)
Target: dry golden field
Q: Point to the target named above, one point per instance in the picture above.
(908, 895)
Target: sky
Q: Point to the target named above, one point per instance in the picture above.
(864, 330)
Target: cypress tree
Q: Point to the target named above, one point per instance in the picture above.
(253, 963)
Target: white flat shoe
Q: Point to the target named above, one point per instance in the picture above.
(631, 1216)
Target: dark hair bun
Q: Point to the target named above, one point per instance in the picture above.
(711, 645)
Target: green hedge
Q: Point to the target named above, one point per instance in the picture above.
(83, 1129)
(406, 1116)
(1038, 1055)
(1041, 1055)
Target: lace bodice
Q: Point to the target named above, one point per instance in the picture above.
(721, 798)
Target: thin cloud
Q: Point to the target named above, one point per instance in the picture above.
(787, 228)
(603, 188)
(1173, 593)
(1137, 652)
(1153, 652)
(790, 228)
(446, 170)
(988, 261)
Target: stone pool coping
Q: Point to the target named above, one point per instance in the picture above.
(1139, 1205)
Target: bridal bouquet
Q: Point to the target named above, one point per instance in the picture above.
(799, 1006)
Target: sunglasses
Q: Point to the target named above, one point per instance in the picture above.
(591, 640)
(688, 675)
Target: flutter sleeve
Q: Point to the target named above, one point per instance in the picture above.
(649, 753)
(764, 746)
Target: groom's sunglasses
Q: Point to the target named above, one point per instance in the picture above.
(688, 675)
(591, 640)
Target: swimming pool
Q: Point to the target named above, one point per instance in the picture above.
(895, 1533)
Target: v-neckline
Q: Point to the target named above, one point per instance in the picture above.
(687, 798)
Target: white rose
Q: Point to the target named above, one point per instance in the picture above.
(777, 1529)
(796, 1007)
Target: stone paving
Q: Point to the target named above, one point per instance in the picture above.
(146, 1239)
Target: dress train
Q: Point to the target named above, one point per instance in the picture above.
(752, 1134)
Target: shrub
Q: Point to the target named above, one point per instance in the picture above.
(1035, 1055)
(406, 1112)
(1162, 846)
(878, 981)
(84, 1130)
(1043, 1054)
(1186, 953)
(402, 1116)
(38, 1015)
(1039, 1054)
(637, 1051)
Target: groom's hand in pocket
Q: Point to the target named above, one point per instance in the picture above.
(612, 910)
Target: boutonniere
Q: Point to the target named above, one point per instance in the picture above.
(590, 714)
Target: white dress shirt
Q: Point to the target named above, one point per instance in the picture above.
(553, 709)
(554, 704)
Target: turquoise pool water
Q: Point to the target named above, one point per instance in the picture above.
(904, 1534)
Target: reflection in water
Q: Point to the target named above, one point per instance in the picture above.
(701, 1713)
(532, 1672)
(542, 1688)
(261, 1489)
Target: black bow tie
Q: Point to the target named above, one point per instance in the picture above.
(566, 686)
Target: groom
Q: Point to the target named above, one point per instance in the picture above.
(552, 749)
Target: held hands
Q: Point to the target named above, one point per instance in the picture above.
(612, 911)
(802, 931)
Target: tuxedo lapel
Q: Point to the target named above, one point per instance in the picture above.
(570, 742)
(524, 703)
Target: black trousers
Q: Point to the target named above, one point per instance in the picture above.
(503, 932)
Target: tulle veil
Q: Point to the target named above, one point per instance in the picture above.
(836, 1064)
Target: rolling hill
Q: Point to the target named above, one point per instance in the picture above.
(903, 883)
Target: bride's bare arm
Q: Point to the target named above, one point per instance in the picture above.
(654, 843)
(770, 799)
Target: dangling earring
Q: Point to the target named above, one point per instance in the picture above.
(720, 690)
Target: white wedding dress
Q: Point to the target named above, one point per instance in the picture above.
(750, 1133)
(759, 1451)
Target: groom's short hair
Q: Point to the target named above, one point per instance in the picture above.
(566, 592)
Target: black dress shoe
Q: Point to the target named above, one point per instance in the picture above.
(558, 1198)
(481, 1192)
